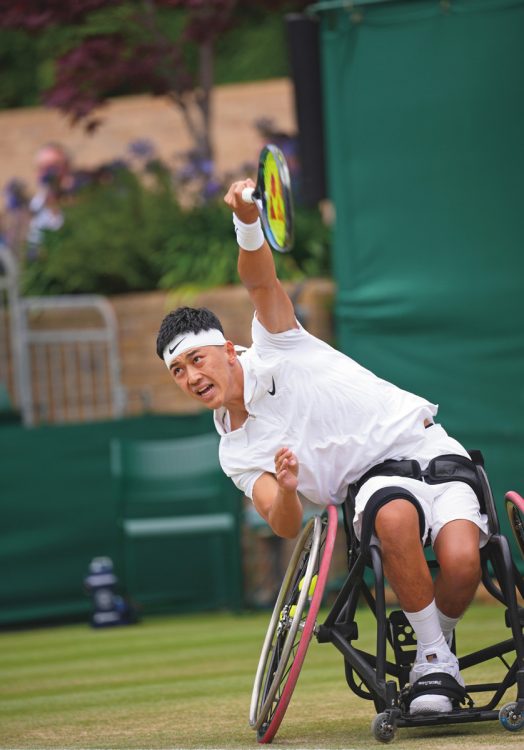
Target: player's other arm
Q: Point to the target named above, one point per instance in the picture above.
(257, 270)
(275, 496)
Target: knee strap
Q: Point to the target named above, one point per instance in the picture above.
(380, 498)
(436, 683)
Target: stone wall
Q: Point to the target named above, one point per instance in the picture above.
(236, 107)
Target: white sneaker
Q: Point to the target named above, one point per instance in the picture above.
(430, 661)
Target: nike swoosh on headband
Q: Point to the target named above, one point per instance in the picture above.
(187, 340)
(177, 344)
(273, 389)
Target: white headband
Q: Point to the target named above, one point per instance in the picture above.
(189, 340)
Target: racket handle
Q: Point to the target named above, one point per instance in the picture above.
(247, 194)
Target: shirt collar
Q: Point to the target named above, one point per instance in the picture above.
(221, 416)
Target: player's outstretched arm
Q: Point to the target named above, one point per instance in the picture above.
(256, 267)
(275, 495)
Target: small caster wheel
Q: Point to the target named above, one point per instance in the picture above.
(383, 728)
(510, 718)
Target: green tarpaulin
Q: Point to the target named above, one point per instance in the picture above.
(424, 113)
(58, 510)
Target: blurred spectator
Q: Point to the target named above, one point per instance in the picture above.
(57, 182)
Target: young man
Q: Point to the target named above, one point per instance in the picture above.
(298, 418)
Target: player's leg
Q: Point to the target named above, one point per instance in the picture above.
(459, 529)
(457, 551)
(397, 527)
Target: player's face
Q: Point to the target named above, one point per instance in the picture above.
(206, 374)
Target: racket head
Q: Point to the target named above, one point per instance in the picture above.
(274, 198)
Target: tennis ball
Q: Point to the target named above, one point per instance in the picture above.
(312, 586)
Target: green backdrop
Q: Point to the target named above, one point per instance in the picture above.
(58, 510)
(424, 114)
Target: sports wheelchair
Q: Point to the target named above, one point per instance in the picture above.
(375, 676)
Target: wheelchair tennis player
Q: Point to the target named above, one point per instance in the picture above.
(299, 419)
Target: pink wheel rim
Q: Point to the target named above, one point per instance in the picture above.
(308, 627)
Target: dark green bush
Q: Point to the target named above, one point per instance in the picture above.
(112, 240)
(129, 233)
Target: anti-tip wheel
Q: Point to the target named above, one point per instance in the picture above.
(510, 718)
(383, 728)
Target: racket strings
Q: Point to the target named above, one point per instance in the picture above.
(274, 200)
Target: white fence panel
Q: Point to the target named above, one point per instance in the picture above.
(70, 366)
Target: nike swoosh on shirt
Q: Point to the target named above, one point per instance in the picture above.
(273, 389)
(175, 346)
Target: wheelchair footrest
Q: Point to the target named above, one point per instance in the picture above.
(457, 716)
(402, 637)
(436, 683)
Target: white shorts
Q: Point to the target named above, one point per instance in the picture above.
(440, 503)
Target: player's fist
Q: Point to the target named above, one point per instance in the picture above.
(286, 469)
(246, 212)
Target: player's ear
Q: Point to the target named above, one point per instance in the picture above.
(230, 352)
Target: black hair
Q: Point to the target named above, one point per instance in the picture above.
(183, 320)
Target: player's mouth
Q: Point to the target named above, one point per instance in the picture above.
(205, 392)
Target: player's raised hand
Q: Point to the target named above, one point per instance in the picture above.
(286, 469)
(271, 196)
(246, 212)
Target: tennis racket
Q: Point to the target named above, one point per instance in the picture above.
(273, 198)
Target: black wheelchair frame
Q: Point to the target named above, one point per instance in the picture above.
(373, 676)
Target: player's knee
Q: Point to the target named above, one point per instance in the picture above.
(461, 565)
(458, 554)
(396, 521)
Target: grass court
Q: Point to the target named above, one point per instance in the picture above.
(185, 682)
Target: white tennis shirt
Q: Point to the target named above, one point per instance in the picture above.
(336, 416)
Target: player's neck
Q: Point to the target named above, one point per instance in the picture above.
(235, 403)
(237, 418)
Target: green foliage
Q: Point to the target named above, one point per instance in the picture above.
(253, 51)
(312, 243)
(241, 53)
(19, 83)
(112, 239)
(128, 232)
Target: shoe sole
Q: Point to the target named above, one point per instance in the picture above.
(430, 704)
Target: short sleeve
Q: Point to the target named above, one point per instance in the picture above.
(245, 481)
(264, 341)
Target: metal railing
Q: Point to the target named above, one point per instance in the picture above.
(9, 374)
(59, 355)
(69, 374)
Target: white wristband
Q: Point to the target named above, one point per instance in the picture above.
(249, 236)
